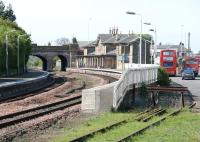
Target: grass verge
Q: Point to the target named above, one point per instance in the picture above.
(104, 120)
(184, 127)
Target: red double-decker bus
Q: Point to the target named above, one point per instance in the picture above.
(168, 61)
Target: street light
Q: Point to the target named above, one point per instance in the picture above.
(89, 29)
(146, 48)
(182, 26)
(155, 33)
(140, 51)
(155, 48)
(18, 51)
(25, 58)
(7, 49)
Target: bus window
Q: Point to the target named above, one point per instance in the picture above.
(167, 64)
(168, 53)
(191, 62)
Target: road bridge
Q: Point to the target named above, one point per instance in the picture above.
(66, 53)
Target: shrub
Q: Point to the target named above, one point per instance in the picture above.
(163, 77)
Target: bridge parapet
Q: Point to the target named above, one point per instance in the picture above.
(135, 74)
(64, 48)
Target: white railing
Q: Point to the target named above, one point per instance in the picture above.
(135, 74)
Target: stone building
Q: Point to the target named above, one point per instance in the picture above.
(113, 51)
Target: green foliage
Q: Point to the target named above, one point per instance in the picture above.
(183, 127)
(8, 13)
(34, 62)
(24, 50)
(163, 77)
(55, 59)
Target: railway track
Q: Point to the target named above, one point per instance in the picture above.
(29, 114)
(145, 116)
(140, 131)
(135, 133)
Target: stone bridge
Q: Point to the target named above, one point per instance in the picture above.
(66, 53)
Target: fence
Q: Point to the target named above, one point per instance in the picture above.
(135, 74)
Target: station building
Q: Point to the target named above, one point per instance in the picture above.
(114, 51)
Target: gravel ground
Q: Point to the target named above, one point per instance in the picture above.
(48, 97)
(43, 133)
(72, 115)
(30, 130)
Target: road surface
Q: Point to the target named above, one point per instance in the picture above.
(193, 86)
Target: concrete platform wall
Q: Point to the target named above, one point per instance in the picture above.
(99, 98)
(22, 87)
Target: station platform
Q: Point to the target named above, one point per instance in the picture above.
(29, 76)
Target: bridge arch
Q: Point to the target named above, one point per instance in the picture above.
(64, 62)
(44, 62)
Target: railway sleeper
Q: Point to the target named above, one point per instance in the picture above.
(154, 114)
(145, 114)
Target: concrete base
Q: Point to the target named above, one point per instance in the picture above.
(98, 99)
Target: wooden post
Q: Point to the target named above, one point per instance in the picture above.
(153, 99)
(133, 93)
(182, 100)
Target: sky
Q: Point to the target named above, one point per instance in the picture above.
(48, 20)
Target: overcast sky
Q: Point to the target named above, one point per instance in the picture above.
(48, 20)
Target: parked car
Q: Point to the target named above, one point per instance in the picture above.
(188, 73)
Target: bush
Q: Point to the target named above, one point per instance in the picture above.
(163, 77)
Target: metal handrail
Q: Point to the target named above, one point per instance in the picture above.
(137, 75)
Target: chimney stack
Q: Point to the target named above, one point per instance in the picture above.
(113, 30)
(110, 31)
(117, 30)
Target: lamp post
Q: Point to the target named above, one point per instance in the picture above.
(7, 69)
(140, 50)
(146, 49)
(18, 51)
(155, 36)
(24, 62)
(181, 41)
(89, 29)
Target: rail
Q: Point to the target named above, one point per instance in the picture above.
(136, 74)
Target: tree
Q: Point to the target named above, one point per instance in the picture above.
(62, 41)
(8, 13)
(74, 40)
(2, 8)
(24, 50)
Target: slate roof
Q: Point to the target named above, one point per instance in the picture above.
(104, 37)
(111, 39)
(128, 39)
(119, 38)
(91, 44)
